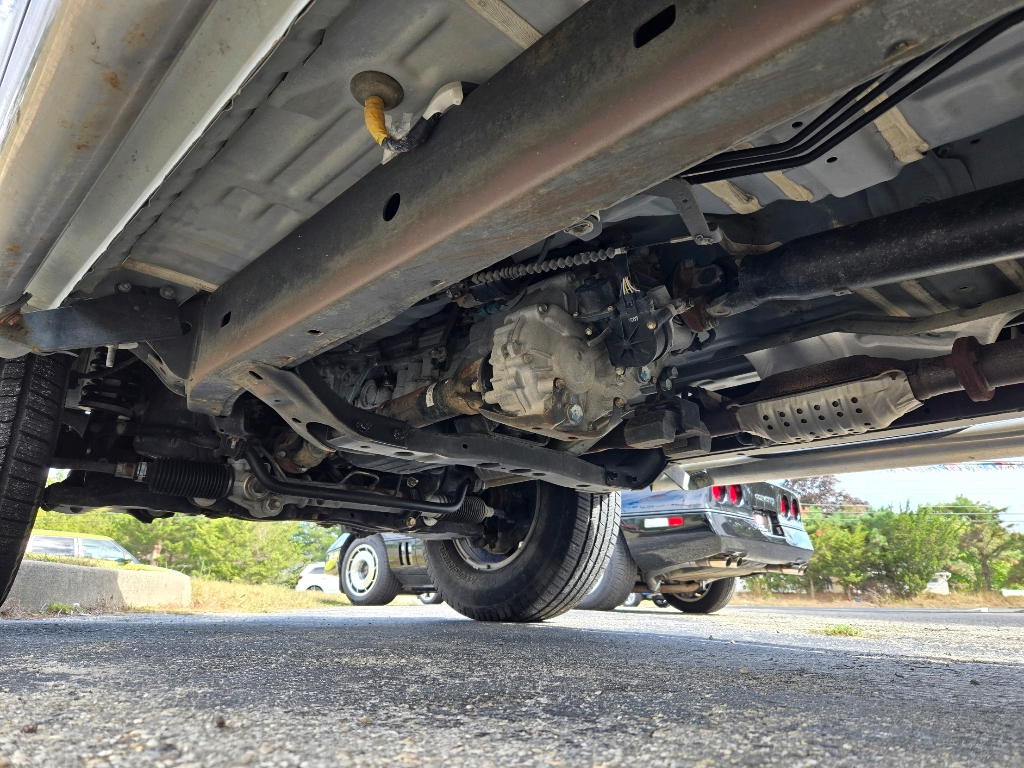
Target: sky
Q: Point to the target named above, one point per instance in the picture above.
(998, 483)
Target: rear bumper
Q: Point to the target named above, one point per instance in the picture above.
(708, 540)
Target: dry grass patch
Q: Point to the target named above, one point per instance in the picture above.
(231, 597)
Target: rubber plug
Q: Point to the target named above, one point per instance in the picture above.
(369, 83)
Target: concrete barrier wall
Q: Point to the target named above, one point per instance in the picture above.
(40, 583)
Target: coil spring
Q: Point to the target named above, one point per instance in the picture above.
(106, 394)
(473, 510)
(533, 268)
(195, 479)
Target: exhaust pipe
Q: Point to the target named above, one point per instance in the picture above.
(970, 444)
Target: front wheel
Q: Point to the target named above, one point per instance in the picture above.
(32, 390)
(366, 577)
(714, 597)
(537, 560)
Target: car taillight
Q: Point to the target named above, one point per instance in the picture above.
(735, 494)
(796, 509)
(784, 505)
(718, 493)
(664, 522)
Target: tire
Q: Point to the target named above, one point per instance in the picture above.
(366, 577)
(314, 588)
(715, 598)
(617, 582)
(32, 390)
(430, 598)
(633, 600)
(570, 540)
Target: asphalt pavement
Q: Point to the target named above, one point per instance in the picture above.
(406, 686)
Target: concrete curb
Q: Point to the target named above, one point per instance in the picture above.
(40, 583)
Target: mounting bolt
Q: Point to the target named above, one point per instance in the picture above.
(542, 308)
(166, 292)
(411, 522)
(527, 358)
(589, 331)
(620, 371)
(412, 482)
(703, 240)
(651, 325)
(620, 402)
(559, 383)
(667, 385)
(363, 426)
(124, 287)
(575, 413)
(610, 308)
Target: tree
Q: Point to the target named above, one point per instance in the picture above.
(223, 548)
(988, 550)
(824, 493)
(840, 553)
(905, 549)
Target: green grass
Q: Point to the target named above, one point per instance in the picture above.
(838, 630)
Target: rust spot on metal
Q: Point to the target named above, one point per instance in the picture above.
(112, 80)
(13, 248)
(137, 35)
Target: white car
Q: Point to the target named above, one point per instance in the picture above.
(313, 579)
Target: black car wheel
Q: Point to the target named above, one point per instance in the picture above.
(540, 558)
(366, 577)
(617, 582)
(714, 597)
(430, 598)
(32, 390)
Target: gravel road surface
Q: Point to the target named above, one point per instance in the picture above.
(406, 686)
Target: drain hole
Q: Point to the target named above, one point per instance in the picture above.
(391, 206)
(654, 26)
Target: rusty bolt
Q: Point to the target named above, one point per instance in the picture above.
(411, 522)
(559, 383)
(475, 386)
(620, 402)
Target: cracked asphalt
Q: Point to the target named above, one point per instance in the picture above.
(406, 686)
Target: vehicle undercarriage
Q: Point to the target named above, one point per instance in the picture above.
(667, 244)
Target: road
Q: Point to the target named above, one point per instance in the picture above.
(406, 686)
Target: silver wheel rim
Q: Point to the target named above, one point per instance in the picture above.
(694, 597)
(362, 568)
(426, 597)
